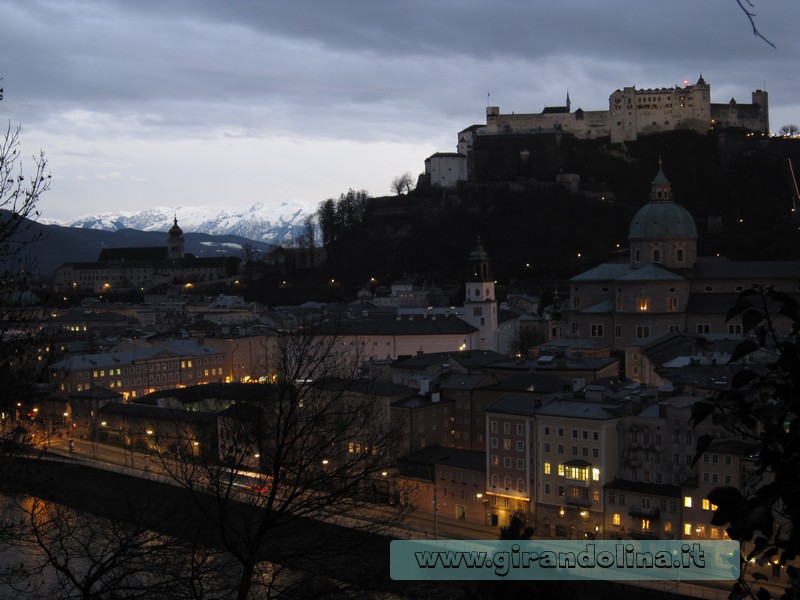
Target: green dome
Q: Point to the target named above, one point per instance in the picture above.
(665, 220)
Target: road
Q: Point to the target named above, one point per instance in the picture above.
(416, 525)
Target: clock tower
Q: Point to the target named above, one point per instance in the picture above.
(480, 304)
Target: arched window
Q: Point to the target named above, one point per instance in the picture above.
(520, 485)
(508, 483)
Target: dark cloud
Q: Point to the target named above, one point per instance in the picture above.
(409, 73)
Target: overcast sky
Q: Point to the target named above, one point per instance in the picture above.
(143, 103)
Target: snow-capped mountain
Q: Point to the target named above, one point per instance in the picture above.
(258, 222)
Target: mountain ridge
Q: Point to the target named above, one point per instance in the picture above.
(256, 222)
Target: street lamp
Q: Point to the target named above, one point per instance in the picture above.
(435, 514)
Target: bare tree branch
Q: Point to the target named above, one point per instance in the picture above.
(746, 6)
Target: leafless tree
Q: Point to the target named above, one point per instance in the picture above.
(20, 315)
(790, 130)
(63, 553)
(313, 453)
(402, 183)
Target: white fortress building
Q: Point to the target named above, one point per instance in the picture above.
(631, 113)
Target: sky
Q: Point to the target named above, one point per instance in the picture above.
(145, 103)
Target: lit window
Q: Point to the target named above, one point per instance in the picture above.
(595, 474)
(643, 304)
(547, 468)
(687, 529)
(560, 470)
(616, 519)
(645, 524)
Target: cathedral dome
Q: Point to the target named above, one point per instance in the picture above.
(662, 220)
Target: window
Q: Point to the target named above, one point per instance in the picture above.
(547, 468)
(561, 490)
(596, 330)
(520, 429)
(520, 446)
(547, 446)
(506, 428)
(617, 331)
(679, 255)
(687, 501)
(672, 303)
(494, 426)
(645, 524)
(547, 430)
(611, 496)
(507, 462)
(687, 529)
(735, 328)
(616, 519)
(561, 449)
(656, 255)
(494, 442)
(520, 485)
(642, 331)
(703, 328)
(643, 304)
(506, 444)
(520, 464)
(560, 432)
(547, 488)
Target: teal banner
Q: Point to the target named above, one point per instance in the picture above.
(618, 560)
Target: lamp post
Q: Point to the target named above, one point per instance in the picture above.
(435, 514)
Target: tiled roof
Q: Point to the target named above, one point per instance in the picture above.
(451, 457)
(652, 489)
(651, 272)
(604, 272)
(755, 270)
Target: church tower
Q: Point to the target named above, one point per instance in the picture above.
(480, 304)
(175, 241)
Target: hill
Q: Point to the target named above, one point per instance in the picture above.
(534, 229)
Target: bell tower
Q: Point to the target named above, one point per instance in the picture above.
(480, 303)
(175, 241)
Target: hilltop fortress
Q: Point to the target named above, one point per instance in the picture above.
(633, 112)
